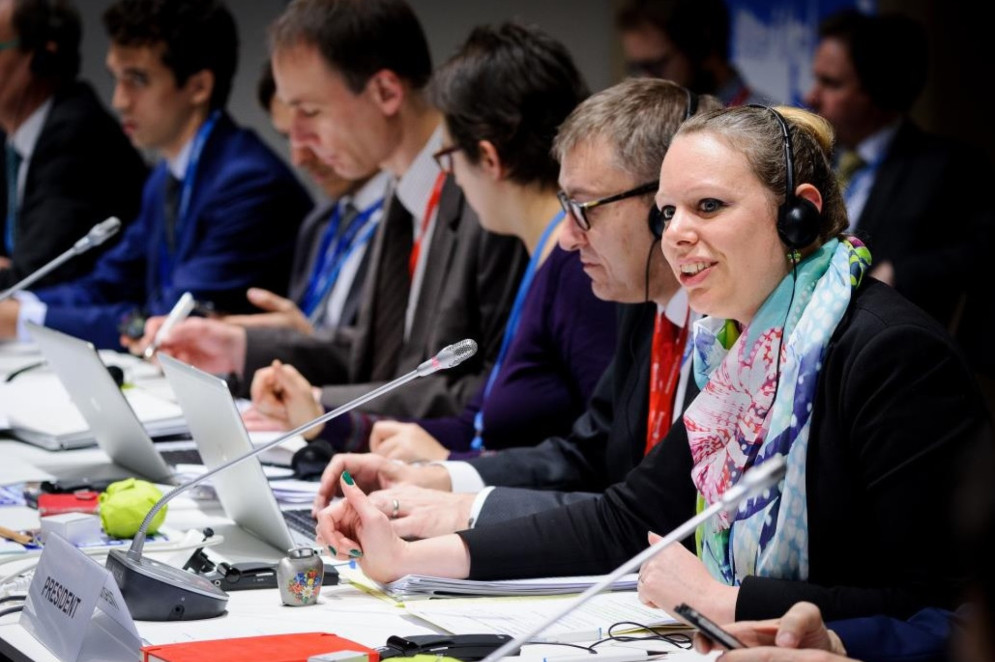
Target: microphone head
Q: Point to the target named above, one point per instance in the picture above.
(755, 480)
(104, 230)
(449, 356)
(98, 234)
(456, 353)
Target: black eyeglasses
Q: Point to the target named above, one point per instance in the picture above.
(578, 210)
(444, 157)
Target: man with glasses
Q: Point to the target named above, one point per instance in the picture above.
(354, 76)
(610, 150)
(686, 41)
(68, 165)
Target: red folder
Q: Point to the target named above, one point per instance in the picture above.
(271, 648)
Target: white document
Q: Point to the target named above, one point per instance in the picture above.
(414, 585)
(516, 616)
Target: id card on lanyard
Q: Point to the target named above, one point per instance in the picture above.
(166, 257)
(332, 255)
(514, 317)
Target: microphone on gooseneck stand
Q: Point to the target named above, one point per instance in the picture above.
(155, 591)
(757, 479)
(97, 235)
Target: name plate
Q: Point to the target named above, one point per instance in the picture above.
(75, 609)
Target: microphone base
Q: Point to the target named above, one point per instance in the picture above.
(155, 591)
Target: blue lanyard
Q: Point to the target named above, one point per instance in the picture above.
(190, 176)
(333, 257)
(512, 328)
(186, 192)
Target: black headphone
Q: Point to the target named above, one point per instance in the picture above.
(655, 217)
(797, 218)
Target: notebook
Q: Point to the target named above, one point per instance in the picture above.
(243, 490)
(53, 408)
(106, 411)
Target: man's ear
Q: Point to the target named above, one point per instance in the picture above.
(200, 86)
(387, 91)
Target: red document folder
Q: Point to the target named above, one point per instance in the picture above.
(271, 648)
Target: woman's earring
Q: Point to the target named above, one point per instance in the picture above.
(794, 256)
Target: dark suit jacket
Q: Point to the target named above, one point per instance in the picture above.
(606, 442)
(244, 213)
(896, 416)
(470, 281)
(920, 217)
(306, 254)
(82, 171)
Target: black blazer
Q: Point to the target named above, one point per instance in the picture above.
(921, 215)
(82, 171)
(469, 285)
(606, 442)
(897, 414)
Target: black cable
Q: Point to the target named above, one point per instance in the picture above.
(9, 598)
(677, 639)
(24, 369)
(11, 610)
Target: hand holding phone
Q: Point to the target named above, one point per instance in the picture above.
(708, 627)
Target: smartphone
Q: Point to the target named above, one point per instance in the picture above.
(708, 627)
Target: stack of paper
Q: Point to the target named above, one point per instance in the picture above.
(424, 585)
(515, 616)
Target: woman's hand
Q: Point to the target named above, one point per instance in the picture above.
(375, 472)
(281, 393)
(798, 635)
(416, 512)
(355, 528)
(407, 442)
(675, 575)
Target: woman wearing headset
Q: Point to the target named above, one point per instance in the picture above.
(867, 400)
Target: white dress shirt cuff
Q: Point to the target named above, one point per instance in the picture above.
(463, 476)
(478, 504)
(32, 309)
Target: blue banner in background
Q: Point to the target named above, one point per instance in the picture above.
(772, 42)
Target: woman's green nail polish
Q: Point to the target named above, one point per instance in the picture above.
(332, 550)
(347, 478)
(355, 553)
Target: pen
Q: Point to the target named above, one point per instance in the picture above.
(179, 313)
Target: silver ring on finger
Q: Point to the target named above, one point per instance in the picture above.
(395, 508)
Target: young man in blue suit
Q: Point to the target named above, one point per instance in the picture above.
(219, 213)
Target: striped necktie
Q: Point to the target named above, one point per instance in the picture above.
(393, 288)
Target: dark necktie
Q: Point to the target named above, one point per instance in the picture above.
(393, 287)
(171, 198)
(12, 166)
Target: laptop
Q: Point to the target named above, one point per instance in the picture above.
(243, 490)
(110, 417)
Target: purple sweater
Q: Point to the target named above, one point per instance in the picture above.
(565, 340)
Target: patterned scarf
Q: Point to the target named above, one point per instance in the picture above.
(747, 412)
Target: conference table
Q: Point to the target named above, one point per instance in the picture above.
(343, 609)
